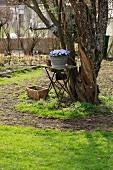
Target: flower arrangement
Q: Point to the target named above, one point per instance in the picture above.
(59, 53)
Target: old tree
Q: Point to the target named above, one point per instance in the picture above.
(89, 18)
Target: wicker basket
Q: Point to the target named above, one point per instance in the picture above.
(36, 92)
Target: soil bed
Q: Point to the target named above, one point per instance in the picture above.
(10, 116)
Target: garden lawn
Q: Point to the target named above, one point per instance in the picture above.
(19, 76)
(32, 149)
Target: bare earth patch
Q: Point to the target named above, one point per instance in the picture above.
(9, 116)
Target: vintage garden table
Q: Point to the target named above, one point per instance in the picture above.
(59, 80)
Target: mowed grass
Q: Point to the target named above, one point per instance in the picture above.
(19, 76)
(32, 149)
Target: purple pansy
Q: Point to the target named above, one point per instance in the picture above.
(58, 53)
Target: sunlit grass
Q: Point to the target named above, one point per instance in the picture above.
(20, 76)
(107, 103)
(28, 148)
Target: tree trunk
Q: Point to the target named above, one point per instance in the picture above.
(86, 86)
(72, 73)
(91, 37)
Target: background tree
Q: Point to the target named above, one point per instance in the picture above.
(7, 40)
(5, 17)
(32, 37)
(91, 18)
(31, 41)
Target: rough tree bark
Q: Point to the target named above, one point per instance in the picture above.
(91, 36)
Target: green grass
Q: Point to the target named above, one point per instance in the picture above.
(32, 149)
(20, 76)
(77, 109)
(2, 68)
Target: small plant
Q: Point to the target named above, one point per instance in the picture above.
(2, 61)
(48, 61)
(47, 57)
(40, 57)
(51, 106)
(9, 58)
(2, 68)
